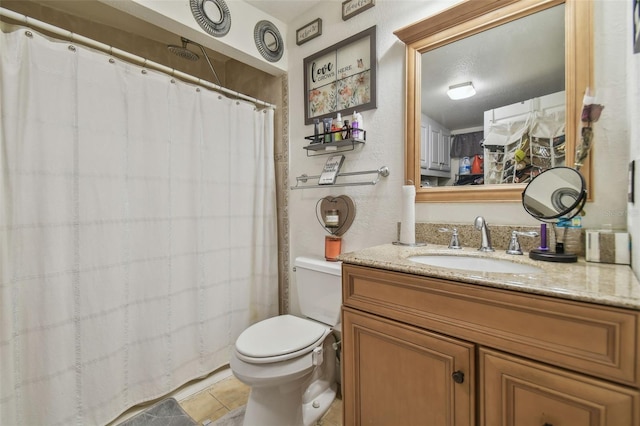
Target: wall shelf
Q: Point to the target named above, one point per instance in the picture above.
(382, 171)
(327, 148)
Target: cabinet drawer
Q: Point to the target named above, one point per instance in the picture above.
(593, 339)
(517, 392)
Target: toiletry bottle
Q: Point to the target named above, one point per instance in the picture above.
(355, 125)
(337, 127)
(361, 131)
(316, 130)
(327, 122)
(346, 130)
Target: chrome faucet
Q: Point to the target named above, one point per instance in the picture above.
(481, 225)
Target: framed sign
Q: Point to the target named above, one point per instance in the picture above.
(341, 78)
(351, 8)
(636, 26)
(311, 30)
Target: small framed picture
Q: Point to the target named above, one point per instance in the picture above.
(308, 32)
(351, 8)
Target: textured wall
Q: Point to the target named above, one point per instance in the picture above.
(378, 208)
(632, 66)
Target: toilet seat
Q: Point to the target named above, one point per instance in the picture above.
(279, 338)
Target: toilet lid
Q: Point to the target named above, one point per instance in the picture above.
(279, 336)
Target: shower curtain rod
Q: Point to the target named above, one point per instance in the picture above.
(34, 23)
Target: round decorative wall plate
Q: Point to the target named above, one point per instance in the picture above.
(268, 41)
(213, 16)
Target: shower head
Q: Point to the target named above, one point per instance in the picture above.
(185, 53)
(182, 51)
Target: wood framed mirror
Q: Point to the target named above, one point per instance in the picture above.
(473, 17)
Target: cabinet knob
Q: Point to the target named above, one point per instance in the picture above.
(458, 376)
(547, 424)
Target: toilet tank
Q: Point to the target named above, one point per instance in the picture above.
(319, 289)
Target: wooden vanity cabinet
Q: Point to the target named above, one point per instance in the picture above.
(426, 351)
(516, 391)
(403, 375)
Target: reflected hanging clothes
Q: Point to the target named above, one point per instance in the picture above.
(467, 144)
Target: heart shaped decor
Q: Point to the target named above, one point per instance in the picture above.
(346, 212)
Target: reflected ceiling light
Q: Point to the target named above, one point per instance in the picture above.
(461, 91)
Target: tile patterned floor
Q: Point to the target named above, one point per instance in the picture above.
(229, 394)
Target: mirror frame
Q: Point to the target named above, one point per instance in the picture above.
(471, 17)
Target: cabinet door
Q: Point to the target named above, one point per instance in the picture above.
(517, 392)
(424, 143)
(395, 374)
(435, 146)
(445, 152)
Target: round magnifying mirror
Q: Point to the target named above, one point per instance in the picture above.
(557, 193)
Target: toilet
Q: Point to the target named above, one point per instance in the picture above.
(288, 361)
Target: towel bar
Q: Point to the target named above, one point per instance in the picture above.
(382, 171)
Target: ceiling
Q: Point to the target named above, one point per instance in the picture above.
(511, 63)
(286, 11)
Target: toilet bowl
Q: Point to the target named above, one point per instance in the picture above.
(288, 361)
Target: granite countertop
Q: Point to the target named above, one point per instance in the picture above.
(606, 284)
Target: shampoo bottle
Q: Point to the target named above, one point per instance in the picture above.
(337, 127)
(361, 132)
(355, 125)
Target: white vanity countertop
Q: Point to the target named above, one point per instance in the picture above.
(606, 284)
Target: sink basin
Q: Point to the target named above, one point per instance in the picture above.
(475, 263)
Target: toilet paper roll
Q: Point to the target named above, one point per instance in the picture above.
(408, 222)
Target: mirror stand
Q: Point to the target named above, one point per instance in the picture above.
(555, 195)
(549, 256)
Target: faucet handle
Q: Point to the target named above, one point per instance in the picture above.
(514, 243)
(455, 241)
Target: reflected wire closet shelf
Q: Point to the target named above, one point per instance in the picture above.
(382, 171)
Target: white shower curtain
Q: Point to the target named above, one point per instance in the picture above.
(137, 231)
